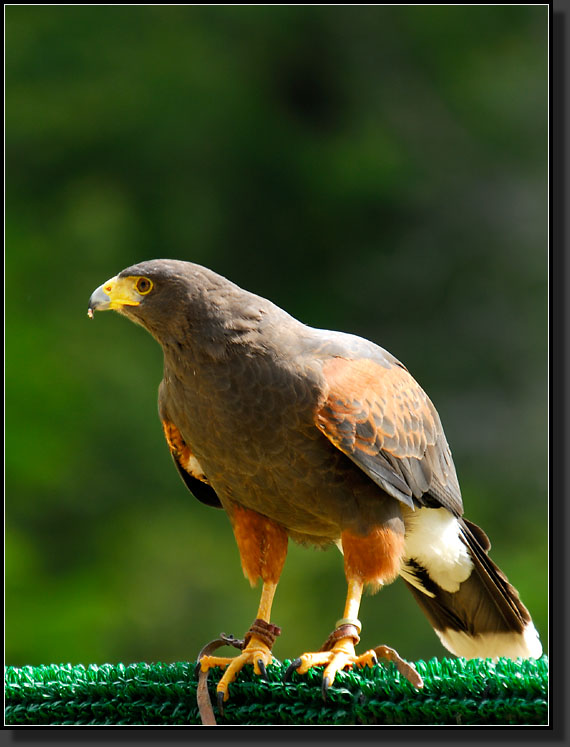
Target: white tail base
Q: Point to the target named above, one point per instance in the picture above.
(433, 538)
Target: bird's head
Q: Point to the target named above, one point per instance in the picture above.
(162, 295)
(179, 302)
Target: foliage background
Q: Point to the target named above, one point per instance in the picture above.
(381, 170)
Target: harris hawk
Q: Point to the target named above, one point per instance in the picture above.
(325, 438)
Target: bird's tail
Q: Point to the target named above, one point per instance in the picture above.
(468, 600)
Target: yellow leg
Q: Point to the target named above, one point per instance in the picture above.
(266, 601)
(340, 653)
(257, 652)
(353, 597)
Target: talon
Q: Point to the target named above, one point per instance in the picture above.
(368, 659)
(293, 666)
(325, 687)
(262, 669)
(221, 697)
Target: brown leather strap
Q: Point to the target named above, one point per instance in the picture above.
(266, 632)
(343, 631)
(202, 697)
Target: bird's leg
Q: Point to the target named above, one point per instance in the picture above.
(263, 546)
(258, 643)
(338, 650)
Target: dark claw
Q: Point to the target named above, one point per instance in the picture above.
(325, 687)
(295, 664)
(262, 669)
(197, 670)
(221, 702)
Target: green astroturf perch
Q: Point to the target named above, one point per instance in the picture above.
(455, 691)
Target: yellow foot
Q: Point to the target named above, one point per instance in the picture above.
(342, 656)
(256, 652)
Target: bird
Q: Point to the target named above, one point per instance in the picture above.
(322, 438)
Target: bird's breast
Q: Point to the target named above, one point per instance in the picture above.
(251, 427)
(240, 414)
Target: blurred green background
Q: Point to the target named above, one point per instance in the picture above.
(380, 170)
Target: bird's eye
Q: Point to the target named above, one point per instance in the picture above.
(144, 286)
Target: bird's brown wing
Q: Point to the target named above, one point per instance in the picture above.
(379, 416)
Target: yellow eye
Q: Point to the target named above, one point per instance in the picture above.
(143, 286)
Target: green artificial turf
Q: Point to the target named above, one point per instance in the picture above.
(456, 691)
